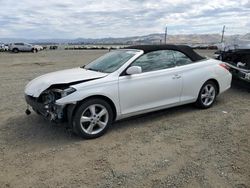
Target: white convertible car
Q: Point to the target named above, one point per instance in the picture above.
(127, 82)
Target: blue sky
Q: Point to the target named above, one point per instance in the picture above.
(120, 18)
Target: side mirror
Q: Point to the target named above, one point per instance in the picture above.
(134, 70)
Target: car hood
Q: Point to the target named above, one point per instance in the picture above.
(70, 76)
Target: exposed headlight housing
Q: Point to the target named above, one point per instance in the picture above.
(68, 91)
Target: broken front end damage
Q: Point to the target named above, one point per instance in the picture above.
(46, 106)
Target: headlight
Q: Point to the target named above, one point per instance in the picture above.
(68, 91)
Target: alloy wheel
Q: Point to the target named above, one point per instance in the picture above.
(94, 119)
(208, 94)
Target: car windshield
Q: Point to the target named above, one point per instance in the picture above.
(111, 61)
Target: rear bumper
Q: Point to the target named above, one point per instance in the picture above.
(225, 81)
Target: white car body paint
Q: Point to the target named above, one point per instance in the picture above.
(139, 93)
(35, 87)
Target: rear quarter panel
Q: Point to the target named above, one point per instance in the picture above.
(194, 76)
(223, 76)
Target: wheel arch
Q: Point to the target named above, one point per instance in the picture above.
(216, 83)
(72, 109)
(15, 48)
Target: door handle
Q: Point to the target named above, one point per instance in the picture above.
(176, 76)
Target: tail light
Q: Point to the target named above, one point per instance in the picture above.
(224, 66)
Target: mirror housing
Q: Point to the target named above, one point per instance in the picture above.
(134, 70)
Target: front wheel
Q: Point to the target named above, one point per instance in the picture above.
(207, 95)
(92, 118)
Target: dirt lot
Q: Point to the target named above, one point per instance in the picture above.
(178, 147)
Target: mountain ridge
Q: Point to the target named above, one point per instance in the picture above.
(154, 38)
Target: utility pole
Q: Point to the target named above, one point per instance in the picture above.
(166, 32)
(223, 31)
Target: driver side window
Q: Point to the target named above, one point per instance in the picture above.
(156, 60)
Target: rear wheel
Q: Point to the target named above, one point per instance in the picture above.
(92, 118)
(34, 50)
(207, 95)
(15, 50)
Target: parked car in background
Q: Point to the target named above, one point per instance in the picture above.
(38, 47)
(237, 57)
(23, 47)
(127, 82)
(4, 47)
(54, 47)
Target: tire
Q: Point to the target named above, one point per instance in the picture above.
(98, 116)
(34, 50)
(207, 95)
(15, 50)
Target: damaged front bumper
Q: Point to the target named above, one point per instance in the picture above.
(53, 112)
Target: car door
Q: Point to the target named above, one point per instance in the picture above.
(193, 74)
(21, 47)
(158, 85)
(27, 47)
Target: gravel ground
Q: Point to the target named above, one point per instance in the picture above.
(177, 147)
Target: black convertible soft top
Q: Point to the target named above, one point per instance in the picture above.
(181, 48)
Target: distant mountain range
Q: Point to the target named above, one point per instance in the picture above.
(147, 39)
